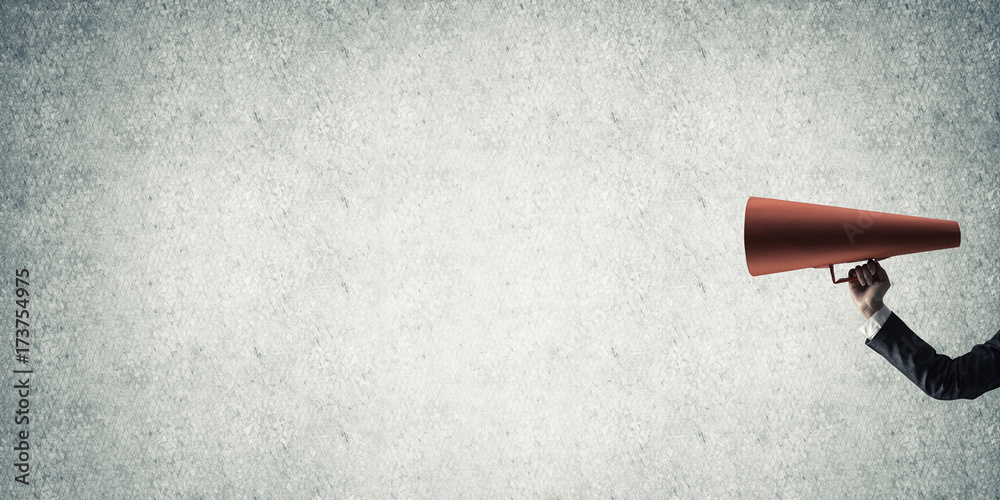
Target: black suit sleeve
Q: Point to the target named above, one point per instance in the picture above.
(941, 377)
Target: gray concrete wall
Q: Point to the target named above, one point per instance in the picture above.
(438, 250)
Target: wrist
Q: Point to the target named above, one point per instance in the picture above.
(869, 309)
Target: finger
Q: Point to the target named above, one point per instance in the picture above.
(868, 275)
(873, 269)
(853, 284)
(859, 275)
(882, 276)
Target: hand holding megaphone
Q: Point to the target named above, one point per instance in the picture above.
(869, 288)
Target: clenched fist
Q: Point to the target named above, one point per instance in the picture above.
(870, 287)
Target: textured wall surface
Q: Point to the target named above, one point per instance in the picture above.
(402, 249)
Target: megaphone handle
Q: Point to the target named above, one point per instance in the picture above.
(842, 280)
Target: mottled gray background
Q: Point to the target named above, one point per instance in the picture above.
(339, 250)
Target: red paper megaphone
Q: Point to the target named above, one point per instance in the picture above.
(783, 236)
